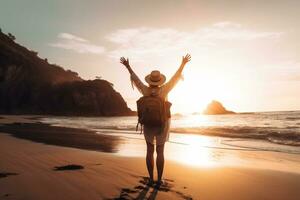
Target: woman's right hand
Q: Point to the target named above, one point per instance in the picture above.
(124, 61)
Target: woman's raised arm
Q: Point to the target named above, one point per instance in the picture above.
(175, 78)
(133, 77)
(126, 64)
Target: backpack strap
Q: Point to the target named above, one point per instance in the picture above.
(154, 92)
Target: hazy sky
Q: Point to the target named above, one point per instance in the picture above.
(244, 53)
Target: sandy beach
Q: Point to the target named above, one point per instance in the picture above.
(31, 170)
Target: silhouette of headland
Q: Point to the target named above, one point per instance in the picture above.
(30, 85)
(216, 108)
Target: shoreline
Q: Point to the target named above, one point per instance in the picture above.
(182, 148)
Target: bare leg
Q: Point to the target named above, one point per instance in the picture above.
(160, 160)
(150, 159)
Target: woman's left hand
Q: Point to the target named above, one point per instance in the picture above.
(186, 59)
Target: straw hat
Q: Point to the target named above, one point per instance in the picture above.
(155, 78)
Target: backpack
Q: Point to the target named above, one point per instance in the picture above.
(152, 111)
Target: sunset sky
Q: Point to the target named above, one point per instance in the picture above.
(245, 54)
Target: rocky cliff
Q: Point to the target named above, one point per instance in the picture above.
(30, 85)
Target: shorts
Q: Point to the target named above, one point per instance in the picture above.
(157, 134)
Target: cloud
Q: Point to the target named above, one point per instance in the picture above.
(164, 41)
(69, 36)
(289, 71)
(233, 31)
(226, 24)
(80, 45)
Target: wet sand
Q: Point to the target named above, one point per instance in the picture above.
(29, 171)
(62, 136)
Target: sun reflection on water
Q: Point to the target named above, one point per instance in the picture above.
(195, 152)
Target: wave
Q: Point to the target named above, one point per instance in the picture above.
(274, 135)
(292, 118)
(246, 113)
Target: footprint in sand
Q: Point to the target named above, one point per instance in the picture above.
(6, 174)
(68, 167)
(98, 164)
(140, 191)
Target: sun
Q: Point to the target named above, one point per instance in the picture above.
(199, 88)
(192, 94)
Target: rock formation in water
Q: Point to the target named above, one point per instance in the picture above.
(216, 108)
(30, 85)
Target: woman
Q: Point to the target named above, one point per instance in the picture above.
(156, 85)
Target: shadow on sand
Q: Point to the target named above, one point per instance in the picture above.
(68, 167)
(6, 174)
(143, 191)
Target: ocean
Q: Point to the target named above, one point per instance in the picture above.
(275, 127)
